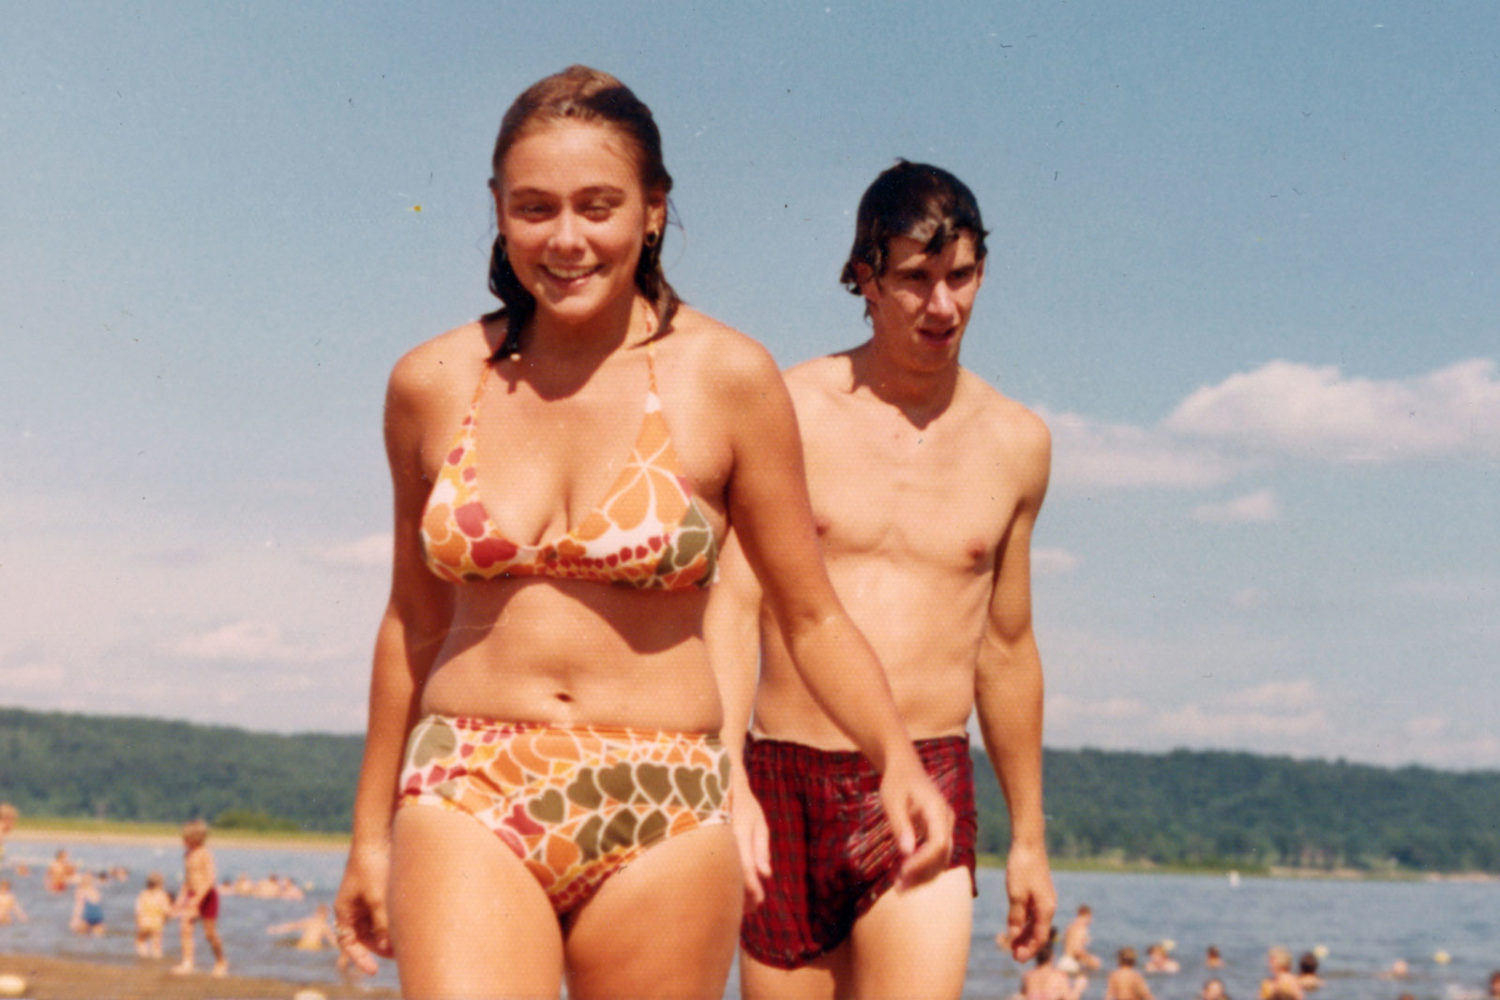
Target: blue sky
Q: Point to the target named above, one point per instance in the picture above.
(1244, 259)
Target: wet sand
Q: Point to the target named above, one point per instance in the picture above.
(51, 978)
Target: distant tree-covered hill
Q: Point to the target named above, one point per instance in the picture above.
(1184, 807)
(1240, 809)
(54, 764)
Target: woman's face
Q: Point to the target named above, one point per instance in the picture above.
(574, 214)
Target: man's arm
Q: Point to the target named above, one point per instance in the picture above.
(731, 631)
(1008, 700)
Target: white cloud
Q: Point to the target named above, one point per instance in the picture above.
(248, 641)
(1053, 562)
(32, 676)
(1092, 453)
(1425, 727)
(1194, 724)
(1066, 709)
(1289, 409)
(1275, 694)
(1260, 507)
(1286, 410)
(369, 552)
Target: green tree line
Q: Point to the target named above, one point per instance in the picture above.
(1223, 809)
(1201, 808)
(154, 770)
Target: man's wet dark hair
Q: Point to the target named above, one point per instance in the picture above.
(916, 200)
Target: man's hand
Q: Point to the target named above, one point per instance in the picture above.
(359, 914)
(1033, 902)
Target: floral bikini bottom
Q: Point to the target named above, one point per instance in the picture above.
(575, 804)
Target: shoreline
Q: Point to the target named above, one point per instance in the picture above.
(151, 835)
(49, 977)
(163, 835)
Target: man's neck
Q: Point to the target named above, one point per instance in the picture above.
(921, 396)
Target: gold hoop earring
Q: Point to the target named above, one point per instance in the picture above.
(652, 238)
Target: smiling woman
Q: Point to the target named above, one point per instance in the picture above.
(543, 762)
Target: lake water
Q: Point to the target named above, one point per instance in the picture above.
(1363, 925)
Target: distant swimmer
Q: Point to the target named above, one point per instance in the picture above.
(1047, 982)
(315, 930)
(61, 872)
(1495, 983)
(1126, 982)
(1157, 959)
(1282, 983)
(1213, 990)
(1399, 969)
(314, 933)
(10, 907)
(1075, 950)
(8, 816)
(1307, 971)
(1212, 959)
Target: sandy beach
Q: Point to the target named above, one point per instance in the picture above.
(51, 978)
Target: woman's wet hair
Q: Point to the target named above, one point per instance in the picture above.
(915, 200)
(589, 96)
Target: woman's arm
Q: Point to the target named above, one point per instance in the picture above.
(772, 517)
(731, 631)
(411, 631)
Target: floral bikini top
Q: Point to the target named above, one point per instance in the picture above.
(649, 532)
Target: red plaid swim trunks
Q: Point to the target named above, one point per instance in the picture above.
(832, 853)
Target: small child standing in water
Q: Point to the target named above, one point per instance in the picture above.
(199, 899)
(88, 907)
(10, 906)
(151, 909)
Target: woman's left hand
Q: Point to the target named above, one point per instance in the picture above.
(920, 818)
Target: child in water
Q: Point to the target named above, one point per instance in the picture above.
(199, 899)
(151, 909)
(10, 906)
(88, 907)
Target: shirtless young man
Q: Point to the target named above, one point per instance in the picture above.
(1076, 954)
(925, 484)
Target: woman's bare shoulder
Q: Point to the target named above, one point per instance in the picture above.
(718, 351)
(436, 365)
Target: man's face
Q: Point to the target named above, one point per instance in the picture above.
(920, 306)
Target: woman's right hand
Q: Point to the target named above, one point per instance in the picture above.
(359, 912)
(753, 837)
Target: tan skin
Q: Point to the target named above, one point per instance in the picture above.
(574, 215)
(1076, 942)
(897, 432)
(1126, 983)
(198, 880)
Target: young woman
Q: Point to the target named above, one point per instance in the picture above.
(543, 791)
